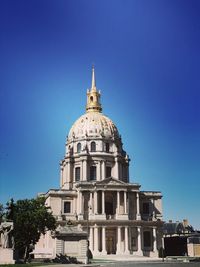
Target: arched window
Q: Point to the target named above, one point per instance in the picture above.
(93, 147)
(78, 147)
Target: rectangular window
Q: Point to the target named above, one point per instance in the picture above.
(108, 172)
(93, 173)
(146, 208)
(147, 238)
(107, 147)
(77, 173)
(67, 207)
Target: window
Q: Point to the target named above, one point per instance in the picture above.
(147, 238)
(93, 147)
(67, 207)
(78, 147)
(91, 98)
(146, 208)
(93, 173)
(108, 172)
(107, 147)
(77, 173)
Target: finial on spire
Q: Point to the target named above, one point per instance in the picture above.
(93, 79)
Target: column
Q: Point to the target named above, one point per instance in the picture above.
(139, 251)
(103, 170)
(118, 202)
(104, 240)
(98, 171)
(138, 216)
(84, 170)
(103, 202)
(126, 250)
(125, 206)
(61, 176)
(128, 172)
(91, 239)
(116, 168)
(68, 172)
(65, 173)
(95, 203)
(90, 204)
(80, 201)
(119, 240)
(96, 240)
(153, 209)
(81, 172)
(154, 239)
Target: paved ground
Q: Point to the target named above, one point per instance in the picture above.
(132, 264)
(152, 264)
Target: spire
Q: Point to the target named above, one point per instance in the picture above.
(93, 79)
(93, 96)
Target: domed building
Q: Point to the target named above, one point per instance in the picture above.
(96, 204)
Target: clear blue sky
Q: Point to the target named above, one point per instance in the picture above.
(147, 58)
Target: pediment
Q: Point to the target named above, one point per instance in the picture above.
(111, 181)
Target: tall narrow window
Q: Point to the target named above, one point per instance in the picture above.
(147, 238)
(108, 172)
(93, 147)
(78, 147)
(67, 207)
(77, 173)
(93, 173)
(107, 147)
(145, 207)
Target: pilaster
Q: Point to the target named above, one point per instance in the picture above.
(138, 215)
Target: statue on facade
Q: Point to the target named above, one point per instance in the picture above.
(6, 240)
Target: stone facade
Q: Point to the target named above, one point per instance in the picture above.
(95, 193)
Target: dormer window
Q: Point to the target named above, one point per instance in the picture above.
(78, 147)
(93, 147)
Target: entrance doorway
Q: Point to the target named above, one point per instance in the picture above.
(111, 241)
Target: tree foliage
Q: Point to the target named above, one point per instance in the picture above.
(31, 218)
(1, 212)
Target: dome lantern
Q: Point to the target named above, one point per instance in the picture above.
(93, 96)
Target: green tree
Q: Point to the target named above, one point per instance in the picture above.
(31, 218)
(1, 212)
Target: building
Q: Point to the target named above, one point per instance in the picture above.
(180, 239)
(96, 197)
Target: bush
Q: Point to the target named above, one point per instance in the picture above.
(64, 259)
